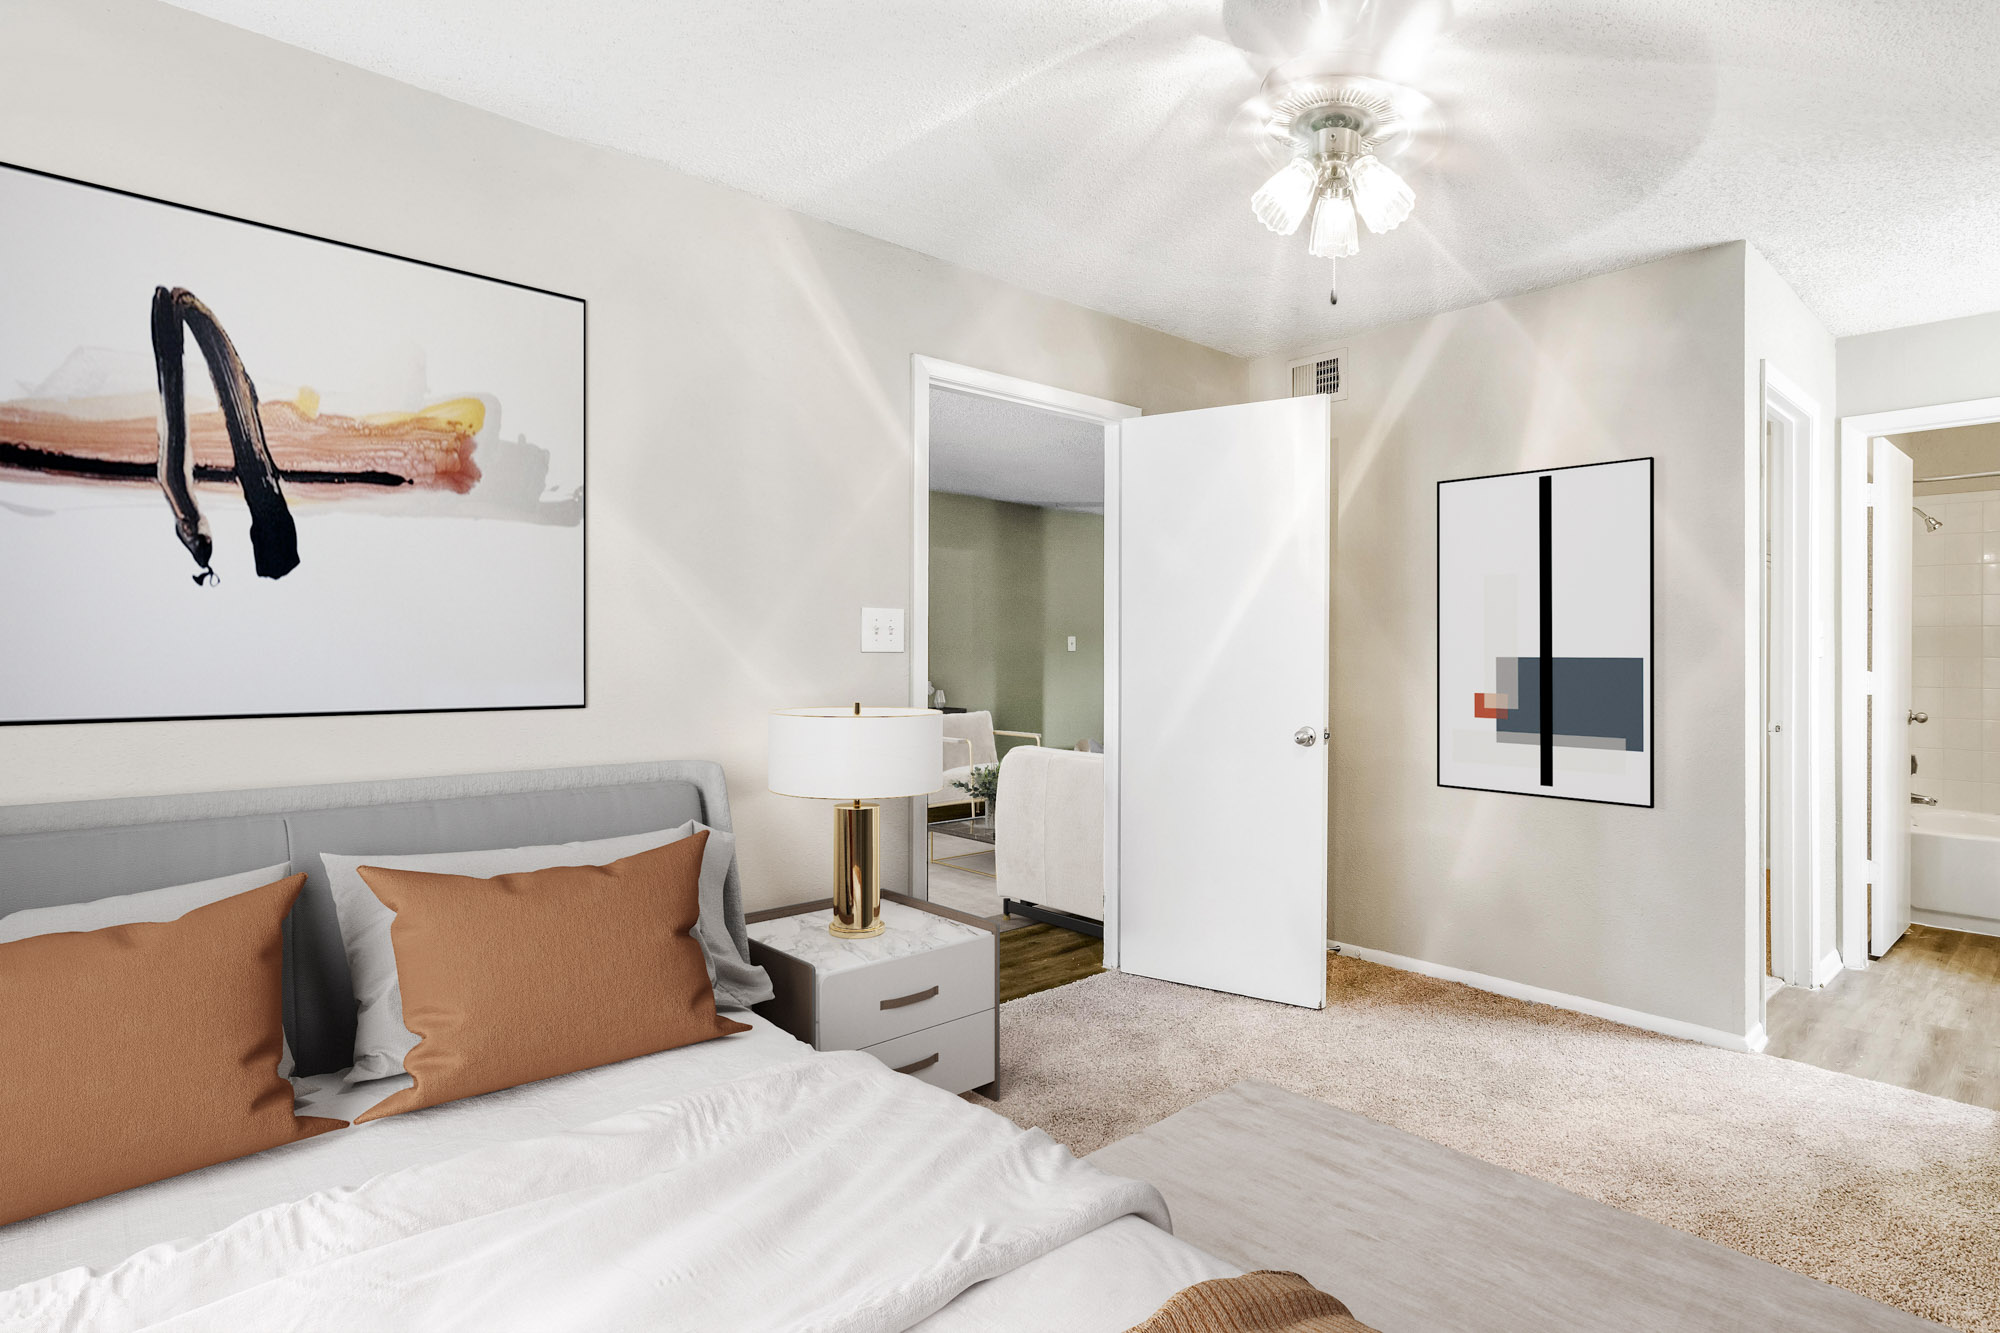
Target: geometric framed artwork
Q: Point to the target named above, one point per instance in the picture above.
(1545, 633)
(246, 472)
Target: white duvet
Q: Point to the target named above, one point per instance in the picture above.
(828, 1194)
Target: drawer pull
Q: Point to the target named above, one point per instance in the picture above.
(917, 998)
(919, 1066)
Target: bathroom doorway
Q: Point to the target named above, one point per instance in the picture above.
(1918, 913)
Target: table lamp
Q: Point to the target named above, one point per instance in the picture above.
(844, 754)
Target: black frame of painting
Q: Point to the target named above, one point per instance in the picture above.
(1652, 633)
(584, 490)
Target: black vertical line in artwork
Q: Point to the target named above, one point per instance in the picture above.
(1547, 674)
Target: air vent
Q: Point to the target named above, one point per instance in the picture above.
(1319, 375)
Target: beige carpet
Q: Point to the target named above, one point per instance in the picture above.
(1884, 1191)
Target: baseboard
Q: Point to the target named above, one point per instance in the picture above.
(1971, 925)
(1829, 968)
(1752, 1041)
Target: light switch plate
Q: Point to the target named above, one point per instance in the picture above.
(881, 629)
(1072, 643)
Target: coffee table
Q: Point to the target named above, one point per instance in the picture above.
(979, 828)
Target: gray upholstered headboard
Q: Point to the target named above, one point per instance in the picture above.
(67, 853)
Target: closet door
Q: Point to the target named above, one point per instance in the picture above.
(1225, 569)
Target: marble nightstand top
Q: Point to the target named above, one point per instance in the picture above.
(909, 931)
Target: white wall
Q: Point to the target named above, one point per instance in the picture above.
(750, 470)
(1951, 361)
(1647, 910)
(1781, 334)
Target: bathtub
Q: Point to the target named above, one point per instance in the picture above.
(1955, 869)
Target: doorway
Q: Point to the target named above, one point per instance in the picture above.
(1014, 617)
(1918, 921)
(1796, 675)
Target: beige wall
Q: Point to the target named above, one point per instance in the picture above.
(1647, 910)
(749, 399)
(1009, 584)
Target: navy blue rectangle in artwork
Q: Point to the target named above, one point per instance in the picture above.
(1597, 699)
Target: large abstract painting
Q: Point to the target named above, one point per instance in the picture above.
(248, 472)
(1545, 633)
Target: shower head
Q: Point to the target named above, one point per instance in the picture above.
(1930, 524)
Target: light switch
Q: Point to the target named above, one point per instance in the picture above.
(881, 629)
(1072, 643)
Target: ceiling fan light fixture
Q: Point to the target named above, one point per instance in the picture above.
(1282, 201)
(1334, 235)
(1331, 131)
(1381, 197)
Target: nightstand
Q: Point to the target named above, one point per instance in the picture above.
(922, 997)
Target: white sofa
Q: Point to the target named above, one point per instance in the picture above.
(1049, 835)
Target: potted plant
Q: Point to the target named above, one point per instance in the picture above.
(982, 784)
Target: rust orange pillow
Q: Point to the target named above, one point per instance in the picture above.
(134, 1053)
(544, 972)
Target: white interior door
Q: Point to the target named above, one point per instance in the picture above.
(1225, 564)
(1890, 590)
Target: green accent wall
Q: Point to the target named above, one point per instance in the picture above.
(1009, 584)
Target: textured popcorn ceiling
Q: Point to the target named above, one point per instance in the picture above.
(1082, 147)
(1010, 451)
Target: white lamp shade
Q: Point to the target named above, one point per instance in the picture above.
(839, 755)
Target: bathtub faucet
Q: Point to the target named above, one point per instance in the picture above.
(1922, 800)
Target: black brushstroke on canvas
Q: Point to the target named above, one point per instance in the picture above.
(1547, 684)
(273, 536)
(27, 458)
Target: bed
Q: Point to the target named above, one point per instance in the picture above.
(726, 1184)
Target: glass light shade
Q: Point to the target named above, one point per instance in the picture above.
(1282, 201)
(1381, 197)
(838, 754)
(1333, 231)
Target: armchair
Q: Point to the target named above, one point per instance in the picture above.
(969, 743)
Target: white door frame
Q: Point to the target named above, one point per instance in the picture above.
(925, 373)
(1855, 433)
(1796, 659)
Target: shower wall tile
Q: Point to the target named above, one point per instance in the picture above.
(1957, 733)
(1955, 642)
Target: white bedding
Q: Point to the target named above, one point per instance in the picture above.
(1068, 1269)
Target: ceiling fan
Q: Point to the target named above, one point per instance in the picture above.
(1331, 122)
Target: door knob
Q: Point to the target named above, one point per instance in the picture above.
(1919, 717)
(1305, 736)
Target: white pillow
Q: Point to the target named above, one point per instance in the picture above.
(168, 904)
(380, 1038)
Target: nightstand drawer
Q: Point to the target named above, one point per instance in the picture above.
(956, 1056)
(861, 1006)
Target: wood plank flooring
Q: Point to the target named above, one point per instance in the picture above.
(1925, 1016)
(1038, 958)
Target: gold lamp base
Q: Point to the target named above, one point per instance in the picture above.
(857, 859)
